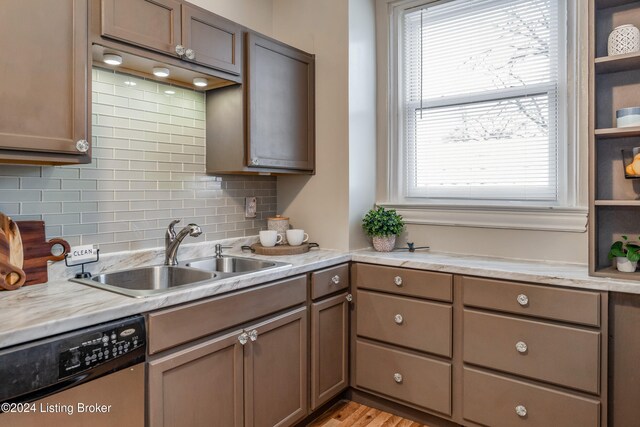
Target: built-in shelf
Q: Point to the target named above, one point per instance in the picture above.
(618, 132)
(613, 273)
(603, 4)
(617, 202)
(616, 63)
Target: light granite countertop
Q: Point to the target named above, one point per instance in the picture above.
(43, 310)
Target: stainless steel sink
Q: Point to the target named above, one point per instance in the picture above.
(234, 265)
(140, 282)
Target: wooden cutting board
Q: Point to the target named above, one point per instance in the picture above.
(282, 249)
(37, 251)
(14, 241)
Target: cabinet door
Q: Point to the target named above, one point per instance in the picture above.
(200, 386)
(215, 41)
(276, 371)
(154, 24)
(280, 105)
(329, 348)
(45, 81)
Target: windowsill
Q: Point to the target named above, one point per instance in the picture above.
(572, 220)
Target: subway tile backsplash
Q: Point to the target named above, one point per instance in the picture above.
(148, 168)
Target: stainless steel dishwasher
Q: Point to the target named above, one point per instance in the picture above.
(89, 377)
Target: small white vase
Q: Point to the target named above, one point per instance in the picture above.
(624, 39)
(384, 243)
(624, 265)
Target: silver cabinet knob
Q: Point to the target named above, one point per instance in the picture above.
(521, 411)
(521, 346)
(335, 279)
(397, 377)
(398, 319)
(82, 145)
(349, 297)
(180, 49)
(397, 280)
(523, 300)
(253, 335)
(243, 338)
(255, 161)
(190, 54)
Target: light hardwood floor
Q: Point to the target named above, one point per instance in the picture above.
(350, 414)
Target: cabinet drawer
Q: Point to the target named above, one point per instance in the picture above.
(492, 400)
(406, 377)
(561, 355)
(174, 326)
(402, 281)
(408, 322)
(330, 280)
(541, 301)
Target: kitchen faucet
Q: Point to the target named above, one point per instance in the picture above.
(172, 240)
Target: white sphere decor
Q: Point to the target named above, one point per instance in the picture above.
(624, 39)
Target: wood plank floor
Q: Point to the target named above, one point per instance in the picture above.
(351, 414)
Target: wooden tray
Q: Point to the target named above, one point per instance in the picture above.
(278, 250)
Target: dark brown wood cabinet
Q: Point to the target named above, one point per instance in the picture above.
(329, 348)
(268, 124)
(176, 28)
(199, 384)
(44, 107)
(275, 369)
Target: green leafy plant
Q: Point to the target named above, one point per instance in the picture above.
(382, 222)
(625, 248)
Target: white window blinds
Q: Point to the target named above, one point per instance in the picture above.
(480, 100)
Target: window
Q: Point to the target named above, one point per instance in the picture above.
(482, 100)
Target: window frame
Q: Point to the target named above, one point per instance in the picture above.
(567, 214)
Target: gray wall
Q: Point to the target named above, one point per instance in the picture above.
(148, 168)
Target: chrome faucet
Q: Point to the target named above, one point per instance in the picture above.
(172, 240)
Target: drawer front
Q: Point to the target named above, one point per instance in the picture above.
(174, 326)
(552, 303)
(492, 400)
(407, 322)
(557, 354)
(402, 281)
(406, 377)
(329, 280)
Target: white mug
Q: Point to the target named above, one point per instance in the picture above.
(296, 237)
(270, 238)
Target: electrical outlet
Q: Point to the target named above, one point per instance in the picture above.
(250, 206)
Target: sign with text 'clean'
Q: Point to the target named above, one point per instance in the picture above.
(84, 252)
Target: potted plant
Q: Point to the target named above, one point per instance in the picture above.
(383, 225)
(626, 253)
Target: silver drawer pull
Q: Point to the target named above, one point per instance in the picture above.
(349, 297)
(521, 411)
(398, 319)
(523, 300)
(521, 346)
(397, 280)
(253, 335)
(335, 279)
(397, 377)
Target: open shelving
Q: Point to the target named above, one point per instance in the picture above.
(614, 83)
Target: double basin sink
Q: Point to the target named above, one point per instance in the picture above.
(145, 281)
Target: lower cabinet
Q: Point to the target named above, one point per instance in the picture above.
(255, 376)
(329, 348)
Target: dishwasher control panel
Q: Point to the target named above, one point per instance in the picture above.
(97, 347)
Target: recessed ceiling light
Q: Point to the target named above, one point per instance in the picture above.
(130, 83)
(200, 82)
(160, 72)
(170, 92)
(112, 59)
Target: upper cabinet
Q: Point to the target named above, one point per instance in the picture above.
(44, 107)
(175, 28)
(267, 126)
